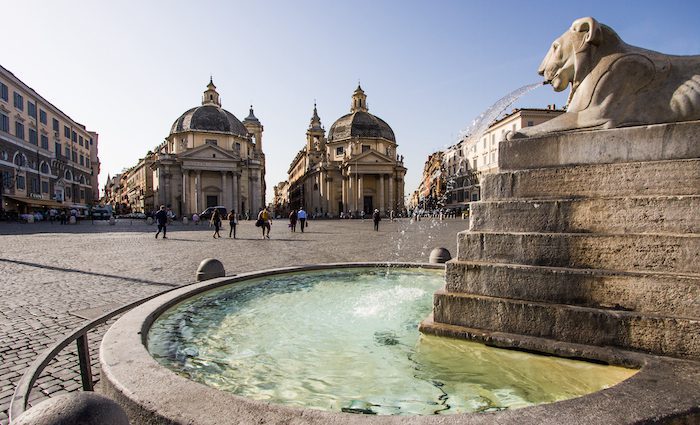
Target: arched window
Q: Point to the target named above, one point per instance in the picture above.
(18, 159)
(68, 175)
(45, 168)
(82, 179)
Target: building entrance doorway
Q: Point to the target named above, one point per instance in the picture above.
(368, 209)
(212, 201)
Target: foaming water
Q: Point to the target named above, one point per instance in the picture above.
(348, 339)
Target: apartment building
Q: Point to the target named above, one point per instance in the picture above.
(47, 159)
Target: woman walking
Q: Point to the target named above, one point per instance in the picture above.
(264, 222)
(216, 221)
(293, 220)
(232, 222)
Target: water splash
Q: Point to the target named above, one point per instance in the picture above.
(484, 120)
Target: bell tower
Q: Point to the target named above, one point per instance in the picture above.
(211, 96)
(359, 100)
(315, 135)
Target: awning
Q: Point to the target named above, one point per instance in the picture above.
(35, 202)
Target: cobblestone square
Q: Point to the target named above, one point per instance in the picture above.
(55, 277)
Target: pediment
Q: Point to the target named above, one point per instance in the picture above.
(371, 157)
(207, 152)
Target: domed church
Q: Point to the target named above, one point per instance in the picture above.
(210, 158)
(355, 169)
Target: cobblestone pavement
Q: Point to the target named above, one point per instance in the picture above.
(53, 277)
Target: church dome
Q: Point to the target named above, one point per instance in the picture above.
(359, 122)
(209, 117)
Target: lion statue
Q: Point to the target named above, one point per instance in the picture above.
(614, 84)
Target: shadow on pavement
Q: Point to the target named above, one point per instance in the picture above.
(111, 276)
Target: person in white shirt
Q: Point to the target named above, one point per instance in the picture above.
(301, 215)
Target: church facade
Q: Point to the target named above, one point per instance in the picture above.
(210, 158)
(354, 170)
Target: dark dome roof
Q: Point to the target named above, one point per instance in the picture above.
(360, 124)
(209, 118)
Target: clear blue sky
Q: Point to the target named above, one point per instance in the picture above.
(128, 69)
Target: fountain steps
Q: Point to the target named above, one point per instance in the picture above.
(678, 253)
(653, 178)
(667, 214)
(589, 238)
(631, 330)
(655, 293)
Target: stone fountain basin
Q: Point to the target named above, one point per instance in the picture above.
(665, 390)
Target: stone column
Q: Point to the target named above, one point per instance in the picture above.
(344, 194)
(391, 191)
(224, 192)
(198, 192)
(360, 194)
(236, 199)
(185, 195)
(382, 205)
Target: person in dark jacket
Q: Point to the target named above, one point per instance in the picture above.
(376, 217)
(162, 220)
(293, 220)
(232, 222)
(216, 222)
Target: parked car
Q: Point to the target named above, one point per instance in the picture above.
(206, 214)
(101, 214)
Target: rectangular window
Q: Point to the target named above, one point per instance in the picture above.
(87, 162)
(530, 123)
(80, 140)
(74, 156)
(44, 187)
(55, 124)
(4, 123)
(82, 160)
(82, 193)
(67, 152)
(238, 146)
(66, 132)
(3, 92)
(19, 130)
(57, 149)
(484, 159)
(31, 109)
(42, 116)
(19, 101)
(32, 137)
(339, 150)
(44, 142)
(75, 137)
(365, 148)
(20, 182)
(474, 164)
(211, 142)
(33, 185)
(69, 192)
(493, 157)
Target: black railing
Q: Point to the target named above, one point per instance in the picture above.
(20, 398)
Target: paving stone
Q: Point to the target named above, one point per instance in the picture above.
(52, 272)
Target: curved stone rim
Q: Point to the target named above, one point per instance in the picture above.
(151, 393)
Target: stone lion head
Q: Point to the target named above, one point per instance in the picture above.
(570, 57)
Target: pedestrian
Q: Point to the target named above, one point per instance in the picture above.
(232, 222)
(376, 217)
(293, 220)
(195, 218)
(62, 217)
(216, 222)
(301, 215)
(162, 220)
(264, 222)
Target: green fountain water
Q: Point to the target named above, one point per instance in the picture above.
(348, 340)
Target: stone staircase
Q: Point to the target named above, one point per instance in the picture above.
(587, 239)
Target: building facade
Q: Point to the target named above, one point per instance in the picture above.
(431, 190)
(47, 160)
(352, 171)
(210, 158)
(139, 186)
(280, 202)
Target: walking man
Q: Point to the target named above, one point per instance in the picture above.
(301, 215)
(162, 219)
(376, 217)
(232, 222)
